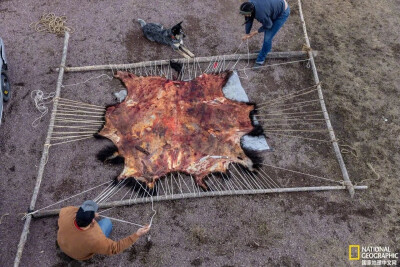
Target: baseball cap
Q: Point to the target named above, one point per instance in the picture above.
(86, 213)
(89, 205)
(246, 8)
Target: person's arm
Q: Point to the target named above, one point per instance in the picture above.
(248, 36)
(249, 25)
(106, 246)
(266, 24)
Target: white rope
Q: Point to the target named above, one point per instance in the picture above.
(77, 111)
(40, 103)
(119, 220)
(103, 192)
(75, 105)
(83, 104)
(70, 136)
(152, 205)
(248, 61)
(314, 176)
(272, 65)
(33, 212)
(89, 127)
(69, 141)
(109, 192)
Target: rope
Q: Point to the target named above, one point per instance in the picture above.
(92, 78)
(272, 65)
(295, 103)
(81, 106)
(82, 132)
(302, 117)
(120, 185)
(351, 150)
(290, 113)
(152, 205)
(306, 48)
(295, 123)
(378, 176)
(77, 111)
(66, 119)
(89, 127)
(311, 103)
(50, 23)
(70, 137)
(119, 220)
(311, 175)
(306, 138)
(90, 189)
(295, 130)
(287, 97)
(284, 97)
(65, 142)
(248, 61)
(298, 107)
(286, 119)
(79, 115)
(40, 103)
(82, 103)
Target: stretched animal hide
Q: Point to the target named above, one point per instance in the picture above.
(168, 126)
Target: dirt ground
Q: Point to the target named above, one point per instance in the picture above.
(358, 64)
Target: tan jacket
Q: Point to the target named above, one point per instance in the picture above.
(83, 244)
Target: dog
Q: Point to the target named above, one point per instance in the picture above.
(172, 37)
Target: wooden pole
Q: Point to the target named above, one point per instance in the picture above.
(272, 55)
(336, 148)
(128, 202)
(45, 153)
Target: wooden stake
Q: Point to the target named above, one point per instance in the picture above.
(45, 153)
(336, 148)
(128, 202)
(272, 55)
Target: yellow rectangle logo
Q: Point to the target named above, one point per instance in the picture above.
(358, 252)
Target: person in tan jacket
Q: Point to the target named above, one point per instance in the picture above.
(81, 237)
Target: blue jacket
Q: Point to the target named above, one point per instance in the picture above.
(267, 11)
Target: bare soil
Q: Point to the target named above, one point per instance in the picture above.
(358, 64)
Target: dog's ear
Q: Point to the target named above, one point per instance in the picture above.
(178, 25)
(177, 29)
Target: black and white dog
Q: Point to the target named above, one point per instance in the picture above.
(172, 37)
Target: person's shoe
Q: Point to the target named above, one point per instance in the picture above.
(257, 65)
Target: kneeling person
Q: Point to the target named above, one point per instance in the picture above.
(81, 237)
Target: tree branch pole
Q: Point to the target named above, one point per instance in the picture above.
(336, 148)
(45, 153)
(272, 55)
(129, 202)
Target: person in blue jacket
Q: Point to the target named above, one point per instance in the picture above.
(272, 14)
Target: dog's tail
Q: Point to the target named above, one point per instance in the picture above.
(142, 22)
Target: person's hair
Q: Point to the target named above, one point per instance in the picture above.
(247, 7)
(84, 218)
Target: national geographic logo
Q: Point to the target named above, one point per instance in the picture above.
(354, 252)
(373, 255)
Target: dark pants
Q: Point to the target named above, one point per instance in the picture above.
(270, 33)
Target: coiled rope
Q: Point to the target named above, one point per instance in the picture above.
(50, 23)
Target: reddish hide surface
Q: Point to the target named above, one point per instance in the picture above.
(168, 126)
